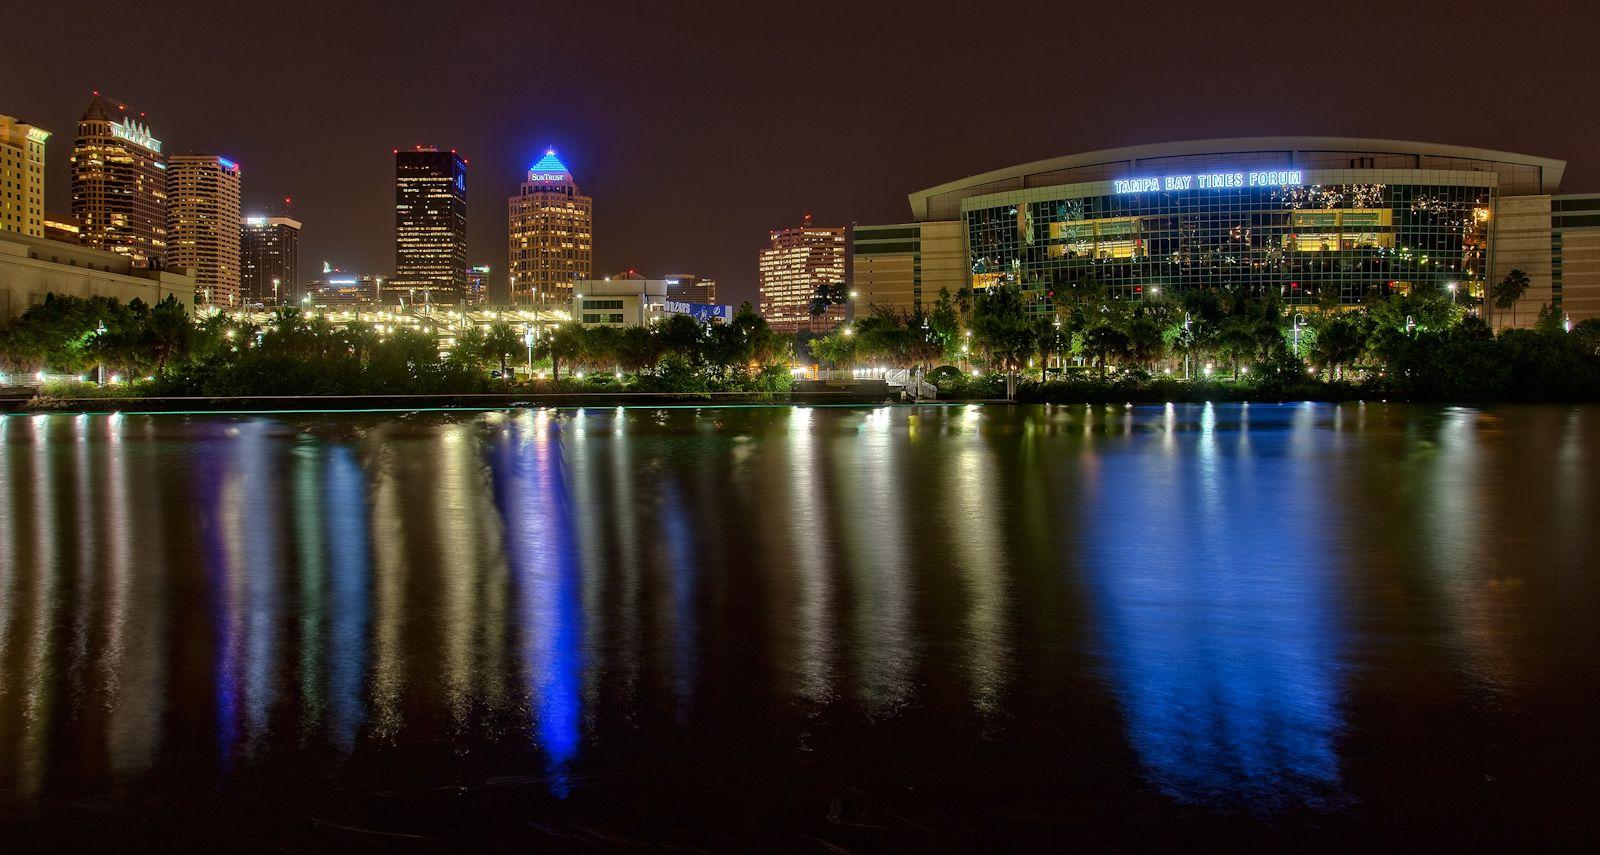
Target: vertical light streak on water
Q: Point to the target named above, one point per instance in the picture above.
(809, 544)
(455, 521)
(113, 511)
(85, 595)
(1227, 663)
(586, 522)
(216, 494)
(39, 673)
(875, 535)
(311, 549)
(8, 563)
(494, 685)
(683, 570)
(1452, 499)
(625, 523)
(134, 665)
(350, 594)
(391, 568)
(541, 551)
(258, 536)
(250, 530)
(976, 514)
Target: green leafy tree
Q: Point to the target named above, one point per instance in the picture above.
(1106, 343)
(1001, 329)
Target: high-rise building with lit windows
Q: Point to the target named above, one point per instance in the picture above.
(478, 285)
(430, 225)
(119, 183)
(799, 263)
(688, 288)
(203, 224)
(551, 235)
(269, 249)
(22, 177)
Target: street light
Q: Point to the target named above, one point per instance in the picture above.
(527, 339)
(1299, 322)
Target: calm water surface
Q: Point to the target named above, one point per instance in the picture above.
(909, 628)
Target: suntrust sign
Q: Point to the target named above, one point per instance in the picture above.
(1210, 181)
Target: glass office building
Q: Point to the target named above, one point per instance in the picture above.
(1308, 219)
(1303, 241)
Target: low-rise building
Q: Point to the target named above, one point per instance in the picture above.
(618, 302)
(337, 287)
(32, 267)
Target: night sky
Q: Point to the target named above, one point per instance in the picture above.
(697, 127)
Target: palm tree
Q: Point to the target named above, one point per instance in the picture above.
(1339, 344)
(500, 342)
(1510, 290)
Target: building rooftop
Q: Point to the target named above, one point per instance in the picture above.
(1018, 177)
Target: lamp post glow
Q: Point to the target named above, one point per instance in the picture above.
(527, 339)
(1299, 322)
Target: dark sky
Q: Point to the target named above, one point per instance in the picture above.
(698, 126)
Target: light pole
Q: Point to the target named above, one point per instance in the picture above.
(1299, 322)
(527, 339)
(1187, 345)
(276, 300)
(1411, 325)
(1452, 286)
(99, 331)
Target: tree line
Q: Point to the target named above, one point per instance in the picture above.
(1088, 342)
(164, 350)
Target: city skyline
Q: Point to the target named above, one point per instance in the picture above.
(692, 166)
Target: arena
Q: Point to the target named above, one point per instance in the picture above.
(1311, 219)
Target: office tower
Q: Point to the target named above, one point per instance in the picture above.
(22, 176)
(551, 235)
(269, 249)
(203, 225)
(478, 285)
(430, 225)
(119, 183)
(800, 262)
(688, 288)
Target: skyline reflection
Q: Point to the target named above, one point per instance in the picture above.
(1198, 602)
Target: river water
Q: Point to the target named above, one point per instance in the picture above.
(931, 628)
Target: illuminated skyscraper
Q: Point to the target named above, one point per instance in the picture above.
(22, 174)
(800, 262)
(119, 183)
(203, 224)
(688, 288)
(269, 259)
(552, 240)
(478, 285)
(430, 225)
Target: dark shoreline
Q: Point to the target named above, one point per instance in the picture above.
(501, 401)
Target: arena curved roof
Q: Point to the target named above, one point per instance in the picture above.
(1541, 174)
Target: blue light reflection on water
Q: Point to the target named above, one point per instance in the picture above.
(1226, 661)
(350, 589)
(532, 493)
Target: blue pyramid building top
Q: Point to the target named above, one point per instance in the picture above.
(548, 167)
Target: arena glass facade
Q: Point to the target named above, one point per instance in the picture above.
(1304, 239)
(1306, 218)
